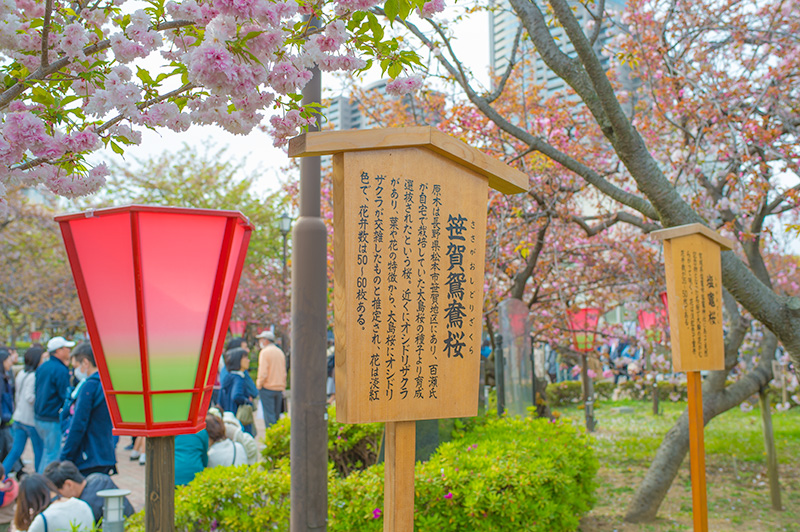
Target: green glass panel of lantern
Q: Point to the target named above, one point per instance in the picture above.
(171, 406)
(131, 408)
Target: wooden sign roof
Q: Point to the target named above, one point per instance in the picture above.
(690, 229)
(502, 177)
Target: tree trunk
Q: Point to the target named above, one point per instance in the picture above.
(651, 492)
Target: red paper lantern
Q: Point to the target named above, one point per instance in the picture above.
(583, 323)
(156, 286)
(35, 335)
(237, 327)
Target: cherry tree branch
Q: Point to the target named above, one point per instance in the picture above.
(589, 175)
(498, 91)
(10, 94)
(611, 220)
(102, 128)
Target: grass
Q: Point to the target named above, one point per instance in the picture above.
(738, 489)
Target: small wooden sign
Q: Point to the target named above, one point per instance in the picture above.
(409, 239)
(694, 289)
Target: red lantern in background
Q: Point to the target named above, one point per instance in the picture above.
(156, 286)
(647, 320)
(35, 336)
(237, 327)
(583, 323)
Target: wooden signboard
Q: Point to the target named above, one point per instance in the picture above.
(694, 288)
(694, 297)
(409, 238)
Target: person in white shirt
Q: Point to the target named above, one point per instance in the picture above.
(37, 511)
(24, 426)
(221, 450)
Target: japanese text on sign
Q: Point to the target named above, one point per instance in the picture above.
(419, 306)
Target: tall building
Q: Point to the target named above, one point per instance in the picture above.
(503, 24)
(343, 112)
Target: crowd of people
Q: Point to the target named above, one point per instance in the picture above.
(56, 402)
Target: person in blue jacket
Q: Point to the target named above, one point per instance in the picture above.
(52, 381)
(89, 444)
(237, 386)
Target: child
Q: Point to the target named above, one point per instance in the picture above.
(37, 511)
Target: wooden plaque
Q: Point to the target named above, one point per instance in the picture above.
(409, 240)
(694, 294)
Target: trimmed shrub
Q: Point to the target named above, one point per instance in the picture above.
(230, 499)
(570, 392)
(640, 391)
(350, 447)
(509, 474)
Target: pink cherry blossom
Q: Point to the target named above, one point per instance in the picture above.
(403, 85)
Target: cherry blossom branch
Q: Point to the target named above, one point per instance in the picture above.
(102, 128)
(10, 94)
(598, 20)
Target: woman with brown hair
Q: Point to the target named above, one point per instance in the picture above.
(39, 509)
(222, 451)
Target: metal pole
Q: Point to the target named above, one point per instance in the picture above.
(284, 264)
(499, 375)
(309, 432)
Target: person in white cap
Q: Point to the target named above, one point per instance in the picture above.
(271, 378)
(52, 382)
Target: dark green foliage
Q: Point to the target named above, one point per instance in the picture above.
(350, 447)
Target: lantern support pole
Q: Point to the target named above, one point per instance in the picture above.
(309, 432)
(588, 396)
(697, 453)
(160, 484)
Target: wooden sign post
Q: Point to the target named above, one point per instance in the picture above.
(409, 239)
(694, 289)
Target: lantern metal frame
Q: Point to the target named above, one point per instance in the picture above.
(201, 391)
(572, 316)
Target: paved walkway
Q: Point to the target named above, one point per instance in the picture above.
(131, 474)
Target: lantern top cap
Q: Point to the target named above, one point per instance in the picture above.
(90, 213)
(502, 177)
(725, 244)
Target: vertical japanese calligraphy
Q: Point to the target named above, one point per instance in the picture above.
(413, 285)
(695, 296)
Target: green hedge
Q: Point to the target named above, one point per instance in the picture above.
(570, 392)
(350, 447)
(509, 474)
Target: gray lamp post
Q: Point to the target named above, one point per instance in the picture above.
(284, 225)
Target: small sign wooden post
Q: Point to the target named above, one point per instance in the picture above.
(694, 288)
(409, 239)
